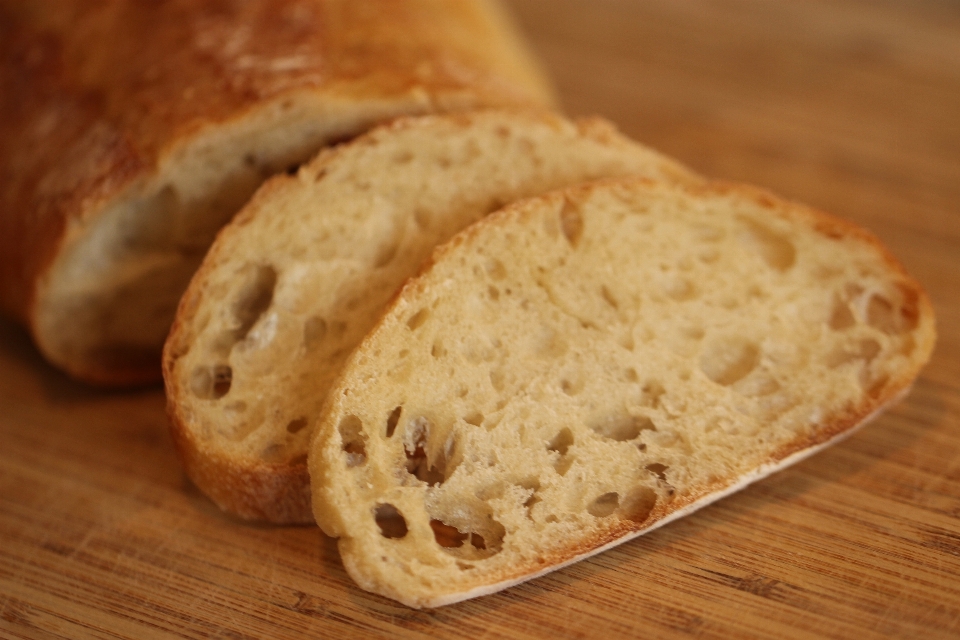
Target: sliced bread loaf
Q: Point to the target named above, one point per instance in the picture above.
(293, 284)
(584, 366)
(131, 131)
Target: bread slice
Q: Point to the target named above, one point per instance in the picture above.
(131, 131)
(295, 282)
(584, 366)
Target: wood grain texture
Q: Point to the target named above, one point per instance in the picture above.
(852, 106)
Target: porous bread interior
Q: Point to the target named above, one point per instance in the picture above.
(581, 365)
(296, 282)
(111, 295)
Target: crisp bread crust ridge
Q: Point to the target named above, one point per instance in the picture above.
(326, 249)
(131, 131)
(461, 415)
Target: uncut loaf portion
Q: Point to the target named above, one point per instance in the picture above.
(131, 131)
(584, 366)
(294, 283)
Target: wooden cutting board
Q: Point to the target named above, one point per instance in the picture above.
(851, 106)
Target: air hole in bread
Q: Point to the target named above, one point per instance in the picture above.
(604, 505)
(882, 315)
(841, 317)
(417, 319)
(497, 379)
(757, 385)
(651, 394)
(296, 426)
(630, 375)
(638, 504)
(314, 331)
(475, 418)
(488, 539)
(222, 380)
(438, 350)
(659, 469)
(353, 440)
(608, 297)
(495, 269)
(476, 535)
(775, 250)
(865, 350)
(563, 464)
(391, 522)
(415, 446)
(531, 502)
(623, 427)
(254, 298)
(561, 442)
(392, 420)
(533, 486)
(727, 360)
(493, 292)
(211, 383)
(446, 536)
(571, 387)
(571, 223)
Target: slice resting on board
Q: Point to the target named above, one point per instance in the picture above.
(584, 366)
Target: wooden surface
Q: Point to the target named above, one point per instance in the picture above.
(853, 106)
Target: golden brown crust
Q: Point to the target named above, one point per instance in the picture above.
(242, 490)
(94, 96)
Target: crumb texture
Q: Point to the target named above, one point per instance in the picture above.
(292, 286)
(581, 365)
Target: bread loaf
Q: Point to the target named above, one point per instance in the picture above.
(131, 131)
(584, 366)
(304, 271)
